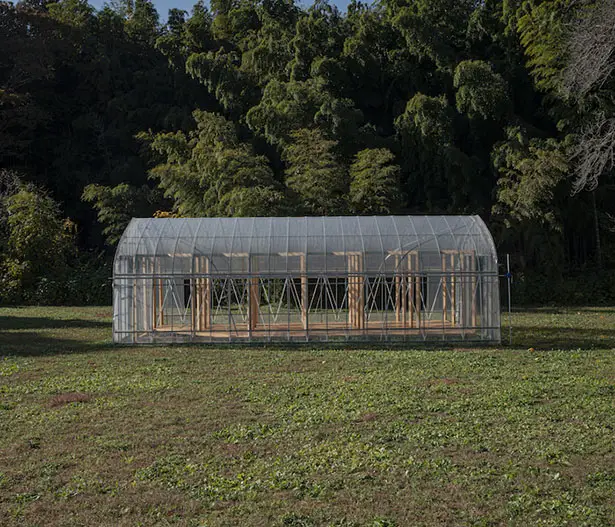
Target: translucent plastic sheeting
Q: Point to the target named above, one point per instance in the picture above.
(309, 278)
(280, 244)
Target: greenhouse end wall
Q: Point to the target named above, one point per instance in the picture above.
(383, 278)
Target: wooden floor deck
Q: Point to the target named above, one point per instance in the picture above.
(316, 330)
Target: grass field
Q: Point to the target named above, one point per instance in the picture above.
(92, 434)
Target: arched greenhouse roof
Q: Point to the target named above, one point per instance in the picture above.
(275, 241)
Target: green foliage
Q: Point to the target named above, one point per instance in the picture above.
(481, 93)
(39, 241)
(314, 173)
(117, 205)
(434, 29)
(219, 73)
(435, 82)
(211, 172)
(40, 262)
(542, 27)
(374, 182)
(284, 107)
(530, 171)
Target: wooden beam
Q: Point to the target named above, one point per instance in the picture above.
(410, 292)
(154, 296)
(418, 289)
(253, 294)
(398, 291)
(474, 291)
(206, 285)
(304, 291)
(356, 293)
(144, 307)
(453, 291)
(443, 284)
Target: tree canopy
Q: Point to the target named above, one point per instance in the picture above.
(263, 107)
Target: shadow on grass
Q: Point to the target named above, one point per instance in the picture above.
(18, 323)
(559, 338)
(559, 310)
(32, 336)
(31, 343)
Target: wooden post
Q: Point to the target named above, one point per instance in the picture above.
(198, 300)
(160, 295)
(134, 300)
(443, 284)
(304, 292)
(474, 291)
(193, 313)
(154, 295)
(253, 296)
(404, 300)
(463, 290)
(356, 293)
(206, 300)
(410, 292)
(351, 308)
(453, 285)
(418, 288)
(143, 282)
(397, 290)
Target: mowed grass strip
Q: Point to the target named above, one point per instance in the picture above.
(92, 434)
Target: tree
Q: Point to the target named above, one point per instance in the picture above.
(374, 182)
(481, 93)
(210, 172)
(38, 241)
(116, 206)
(588, 81)
(314, 173)
(434, 29)
(531, 170)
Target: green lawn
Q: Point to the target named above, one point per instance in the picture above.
(520, 435)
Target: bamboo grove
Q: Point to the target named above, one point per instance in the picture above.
(502, 108)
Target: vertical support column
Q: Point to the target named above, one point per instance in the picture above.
(398, 290)
(463, 289)
(453, 282)
(351, 292)
(193, 309)
(474, 288)
(304, 292)
(143, 281)
(206, 292)
(356, 294)
(154, 295)
(418, 288)
(133, 326)
(198, 294)
(253, 296)
(160, 294)
(361, 293)
(443, 284)
(404, 299)
(202, 293)
(411, 286)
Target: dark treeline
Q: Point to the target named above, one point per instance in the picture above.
(502, 108)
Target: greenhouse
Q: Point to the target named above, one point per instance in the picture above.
(384, 278)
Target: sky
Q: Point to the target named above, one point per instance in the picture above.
(163, 6)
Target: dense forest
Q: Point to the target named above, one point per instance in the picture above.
(503, 108)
